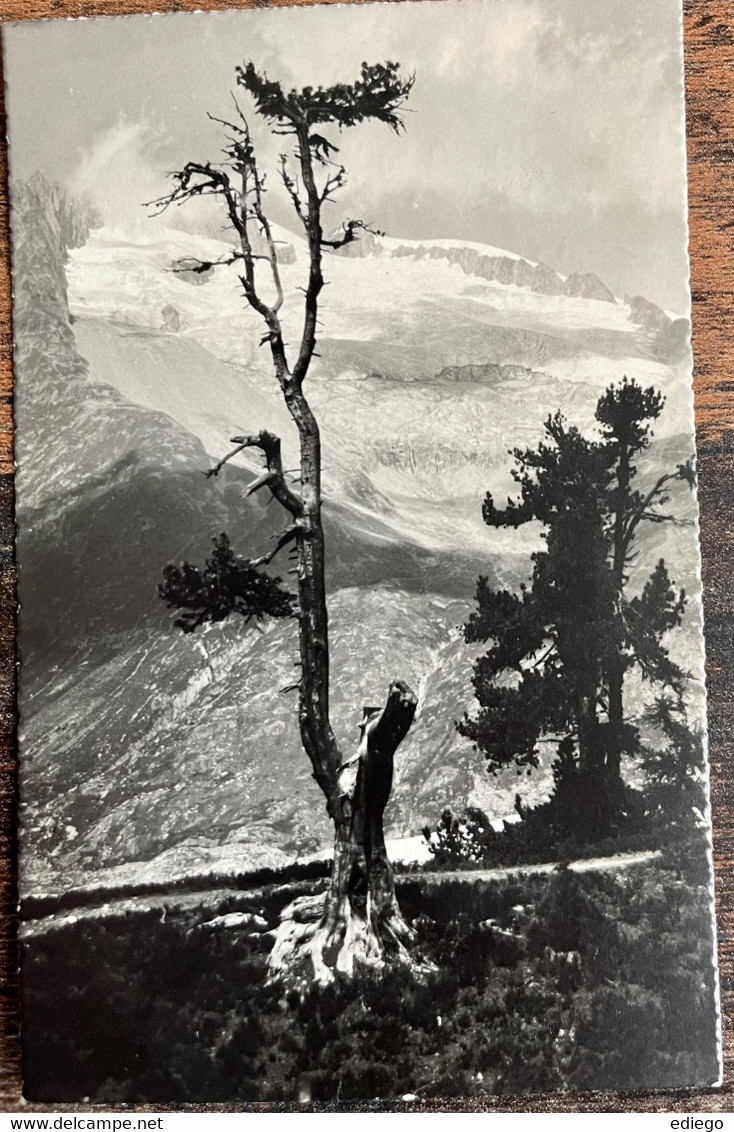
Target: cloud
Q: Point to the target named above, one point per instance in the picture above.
(567, 113)
(116, 177)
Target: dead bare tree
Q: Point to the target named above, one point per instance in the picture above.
(346, 929)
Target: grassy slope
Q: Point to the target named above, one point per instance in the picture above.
(589, 981)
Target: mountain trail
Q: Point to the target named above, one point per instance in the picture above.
(208, 897)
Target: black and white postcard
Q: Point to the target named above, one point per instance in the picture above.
(362, 710)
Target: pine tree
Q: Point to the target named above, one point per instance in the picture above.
(323, 935)
(227, 584)
(562, 646)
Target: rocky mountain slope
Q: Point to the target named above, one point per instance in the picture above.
(146, 752)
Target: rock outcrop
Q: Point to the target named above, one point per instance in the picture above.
(497, 268)
(171, 318)
(494, 267)
(588, 287)
(668, 338)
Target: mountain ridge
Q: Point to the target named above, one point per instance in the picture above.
(143, 747)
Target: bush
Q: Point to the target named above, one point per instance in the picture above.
(544, 982)
(543, 834)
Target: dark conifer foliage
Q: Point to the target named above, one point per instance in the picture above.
(561, 647)
(379, 94)
(226, 584)
(675, 769)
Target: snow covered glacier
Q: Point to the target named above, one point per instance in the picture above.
(147, 753)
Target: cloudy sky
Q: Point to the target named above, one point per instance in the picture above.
(552, 128)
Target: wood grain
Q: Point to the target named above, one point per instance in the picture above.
(709, 60)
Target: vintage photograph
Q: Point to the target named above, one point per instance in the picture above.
(362, 707)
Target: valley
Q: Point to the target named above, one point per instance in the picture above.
(147, 753)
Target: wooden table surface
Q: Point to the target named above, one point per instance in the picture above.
(709, 60)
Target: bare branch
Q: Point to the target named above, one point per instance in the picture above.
(642, 512)
(269, 444)
(351, 229)
(274, 477)
(196, 179)
(333, 183)
(285, 538)
(312, 224)
(218, 467)
(267, 232)
(261, 481)
(292, 188)
(193, 263)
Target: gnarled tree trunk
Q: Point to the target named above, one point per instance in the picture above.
(357, 922)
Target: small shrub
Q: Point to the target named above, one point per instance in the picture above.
(547, 982)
